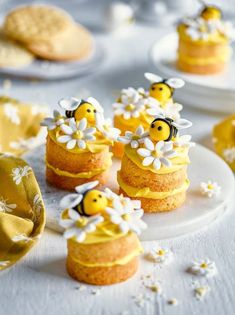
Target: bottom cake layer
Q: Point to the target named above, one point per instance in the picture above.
(69, 183)
(101, 275)
(160, 205)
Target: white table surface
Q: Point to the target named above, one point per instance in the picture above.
(39, 283)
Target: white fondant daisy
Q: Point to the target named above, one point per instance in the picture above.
(205, 268)
(130, 104)
(157, 154)
(160, 255)
(56, 121)
(126, 215)
(229, 155)
(106, 128)
(134, 138)
(210, 189)
(6, 207)
(76, 134)
(200, 29)
(184, 142)
(77, 226)
(225, 28)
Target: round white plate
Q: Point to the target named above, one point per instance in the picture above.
(213, 92)
(48, 70)
(197, 212)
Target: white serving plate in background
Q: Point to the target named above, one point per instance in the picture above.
(197, 212)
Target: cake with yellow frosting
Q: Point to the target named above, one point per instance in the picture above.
(102, 231)
(136, 107)
(224, 140)
(155, 170)
(204, 42)
(77, 148)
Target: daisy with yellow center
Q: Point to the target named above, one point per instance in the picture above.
(210, 189)
(204, 268)
(160, 255)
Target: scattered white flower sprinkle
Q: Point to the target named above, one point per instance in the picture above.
(204, 268)
(229, 155)
(159, 255)
(173, 302)
(200, 292)
(210, 189)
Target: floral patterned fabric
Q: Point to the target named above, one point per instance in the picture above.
(22, 212)
(20, 125)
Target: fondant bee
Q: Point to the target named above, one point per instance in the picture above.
(211, 13)
(87, 201)
(81, 108)
(165, 128)
(162, 89)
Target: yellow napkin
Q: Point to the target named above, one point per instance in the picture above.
(22, 212)
(20, 125)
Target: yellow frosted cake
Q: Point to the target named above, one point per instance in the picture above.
(136, 107)
(204, 42)
(77, 149)
(155, 170)
(102, 231)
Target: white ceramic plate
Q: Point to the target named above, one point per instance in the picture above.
(197, 212)
(213, 92)
(48, 70)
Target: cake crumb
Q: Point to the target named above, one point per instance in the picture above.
(173, 302)
(81, 288)
(200, 292)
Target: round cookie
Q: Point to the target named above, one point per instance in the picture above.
(36, 23)
(12, 54)
(74, 45)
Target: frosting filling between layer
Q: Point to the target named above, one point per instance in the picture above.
(177, 162)
(147, 193)
(121, 261)
(87, 174)
(204, 61)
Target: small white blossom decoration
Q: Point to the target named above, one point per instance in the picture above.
(204, 268)
(76, 134)
(106, 128)
(56, 121)
(134, 138)
(210, 189)
(157, 154)
(160, 255)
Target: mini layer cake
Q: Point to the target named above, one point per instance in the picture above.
(155, 171)
(204, 42)
(134, 107)
(77, 148)
(101, 229)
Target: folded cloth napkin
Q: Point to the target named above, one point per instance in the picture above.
(20, 125)
(22, 212)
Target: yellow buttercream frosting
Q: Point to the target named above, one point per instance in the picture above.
(87, 174)
(215, 37)
(205, 61)
(147, 193)
(144, 119)
(122, 261)
(95, 146)
(177, 162)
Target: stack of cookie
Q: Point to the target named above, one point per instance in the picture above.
(42, 31)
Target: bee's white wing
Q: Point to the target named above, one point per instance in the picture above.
(96, 104)
(153, 78)
(70, 201)
(182, 123)
(175, 83)
(70, 103)
(87, 186)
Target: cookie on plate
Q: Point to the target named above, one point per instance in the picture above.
(73, 45)
(36, 23)
(13, 54)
